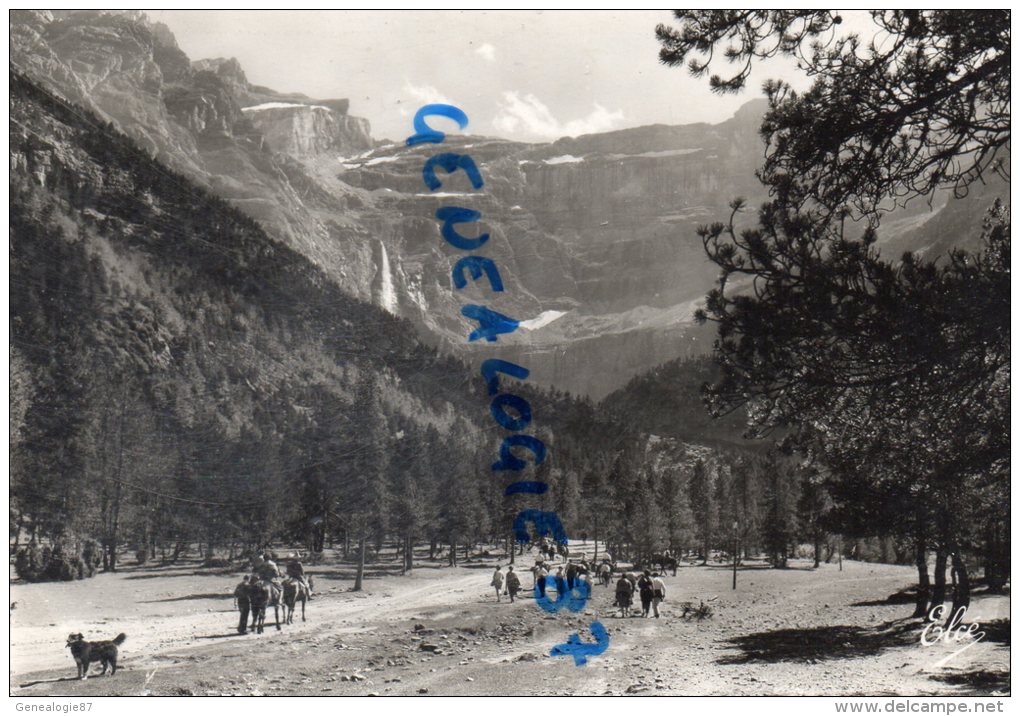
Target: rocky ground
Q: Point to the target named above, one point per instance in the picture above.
(441, 631)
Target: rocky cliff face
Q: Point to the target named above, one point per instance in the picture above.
(594, 236)
(190, 115)
(304, 131)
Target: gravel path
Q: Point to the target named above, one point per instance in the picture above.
(440, 631)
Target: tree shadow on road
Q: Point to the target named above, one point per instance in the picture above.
(205, 572)
(347, 573)
(821, 643)
(904, 596)
(178, 572)
(981, 682)
(48, 681)
(996, 631)
(188, 597)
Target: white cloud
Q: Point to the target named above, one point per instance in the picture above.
(427, 94)
(527, 114)
(487, 51)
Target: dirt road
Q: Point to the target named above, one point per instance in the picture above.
(440, 631)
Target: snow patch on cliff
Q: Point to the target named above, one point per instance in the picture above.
(564, 159)
(543, 319)
(561, 159)
(413, 287)
(280, 105)
(442, 194)
(381, 160)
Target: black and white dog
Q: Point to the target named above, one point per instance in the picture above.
(85, 653)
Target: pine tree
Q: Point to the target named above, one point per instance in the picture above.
(893, 372)
(779, 529)
(747, 494)
(368, 495)
(703, 508)
(673, 490)
(812, 508)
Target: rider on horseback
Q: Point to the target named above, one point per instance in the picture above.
(266, 569)
(266, 591)
(295, 570)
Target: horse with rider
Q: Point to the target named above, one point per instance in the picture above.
(267, 589)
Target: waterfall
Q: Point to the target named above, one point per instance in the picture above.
(387, 295)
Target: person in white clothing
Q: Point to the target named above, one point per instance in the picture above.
(658, 593)
(540, 574)
(497, 581)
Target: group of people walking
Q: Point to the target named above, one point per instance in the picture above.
(512, 581)
(571, 575)
(650, 588)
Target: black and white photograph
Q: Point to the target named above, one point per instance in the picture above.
(510, 353)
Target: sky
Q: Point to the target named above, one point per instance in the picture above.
(529, 75)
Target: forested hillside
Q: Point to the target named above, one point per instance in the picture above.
(650, 402)
(178, 374)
